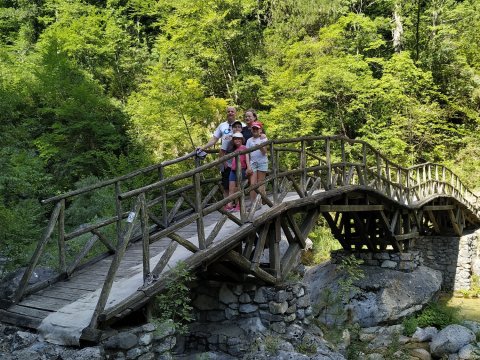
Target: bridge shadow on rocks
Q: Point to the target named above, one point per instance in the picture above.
(174, 212)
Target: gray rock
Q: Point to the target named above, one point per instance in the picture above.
(385, 295)
(226, 295)
(472, 325)
(10, 282)
(450, 340)
(89, 353)
(123, 341)
(426, 334)
(389, 264)
(469, 352)
(422, 354)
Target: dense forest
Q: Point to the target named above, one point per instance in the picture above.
(92, 89)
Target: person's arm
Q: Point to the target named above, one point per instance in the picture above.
(264, 149)
(213, 140)
(247, 160)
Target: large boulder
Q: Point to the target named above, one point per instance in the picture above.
(10, 282)
(382, 296)
(450, 340)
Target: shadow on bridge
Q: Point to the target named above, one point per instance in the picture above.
(174, 211)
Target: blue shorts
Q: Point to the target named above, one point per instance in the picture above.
(259, 166)
(233, 175)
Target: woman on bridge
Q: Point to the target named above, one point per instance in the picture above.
(258, 159)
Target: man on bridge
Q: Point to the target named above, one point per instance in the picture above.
(224, 132)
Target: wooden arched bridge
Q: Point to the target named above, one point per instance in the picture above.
(174, 211)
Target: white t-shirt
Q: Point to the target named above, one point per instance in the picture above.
(224, 132)
(257, 156)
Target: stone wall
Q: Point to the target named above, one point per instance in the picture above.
(456, 257)
(229, 315)
(406, 262)
(452, 255)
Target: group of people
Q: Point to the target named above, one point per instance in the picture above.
(236, 136)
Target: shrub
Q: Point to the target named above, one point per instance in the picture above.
(174, 303)
(435, 314)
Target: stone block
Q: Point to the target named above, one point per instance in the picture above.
(244, 298)
(226, 295)
(278, 308)
(247, 308)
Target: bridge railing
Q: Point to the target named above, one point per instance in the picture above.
(170, 200)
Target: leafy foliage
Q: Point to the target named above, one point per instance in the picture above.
(94, 89)
(174, 302)
(435, 314)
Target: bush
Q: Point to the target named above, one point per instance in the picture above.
(323, 244)
(435, 314)
(174, 303)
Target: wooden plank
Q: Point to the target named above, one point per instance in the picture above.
(438, 207)
(82, 254)
(289, 259)
(247, 266)
(350, 208)
(432, 218)
(19, 319)
(104, 241)
(175, 209)
(411, 235)
(455, 225)
(184, 242)
(44, 303)
(260, 245)
(248, 250)
(28, 311)
(296, 230)
(164, 259)
(216, 230)
(67, 294)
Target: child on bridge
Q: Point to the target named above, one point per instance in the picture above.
(237, 139)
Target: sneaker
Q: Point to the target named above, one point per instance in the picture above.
(235, 209)
(228, 207)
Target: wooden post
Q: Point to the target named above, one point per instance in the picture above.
(329, 164)
(121, 247)
(303, 166)
(344, 170)
(274, 252)
(409, 196)
(163, 194)
(61, 237)
(36, 255)
(198, 206)
(118, 208)
(364, 162)
(274, 167)
(389, 180)
(379, 172)
(145, 238)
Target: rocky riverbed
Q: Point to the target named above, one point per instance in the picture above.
(367, 328)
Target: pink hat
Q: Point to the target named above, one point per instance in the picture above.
(257, 124)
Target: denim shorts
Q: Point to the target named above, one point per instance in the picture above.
(233, 175)
(259, 166)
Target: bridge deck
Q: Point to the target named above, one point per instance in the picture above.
(63, 310)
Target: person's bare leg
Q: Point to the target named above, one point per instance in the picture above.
(253, 181)
(261, 177)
